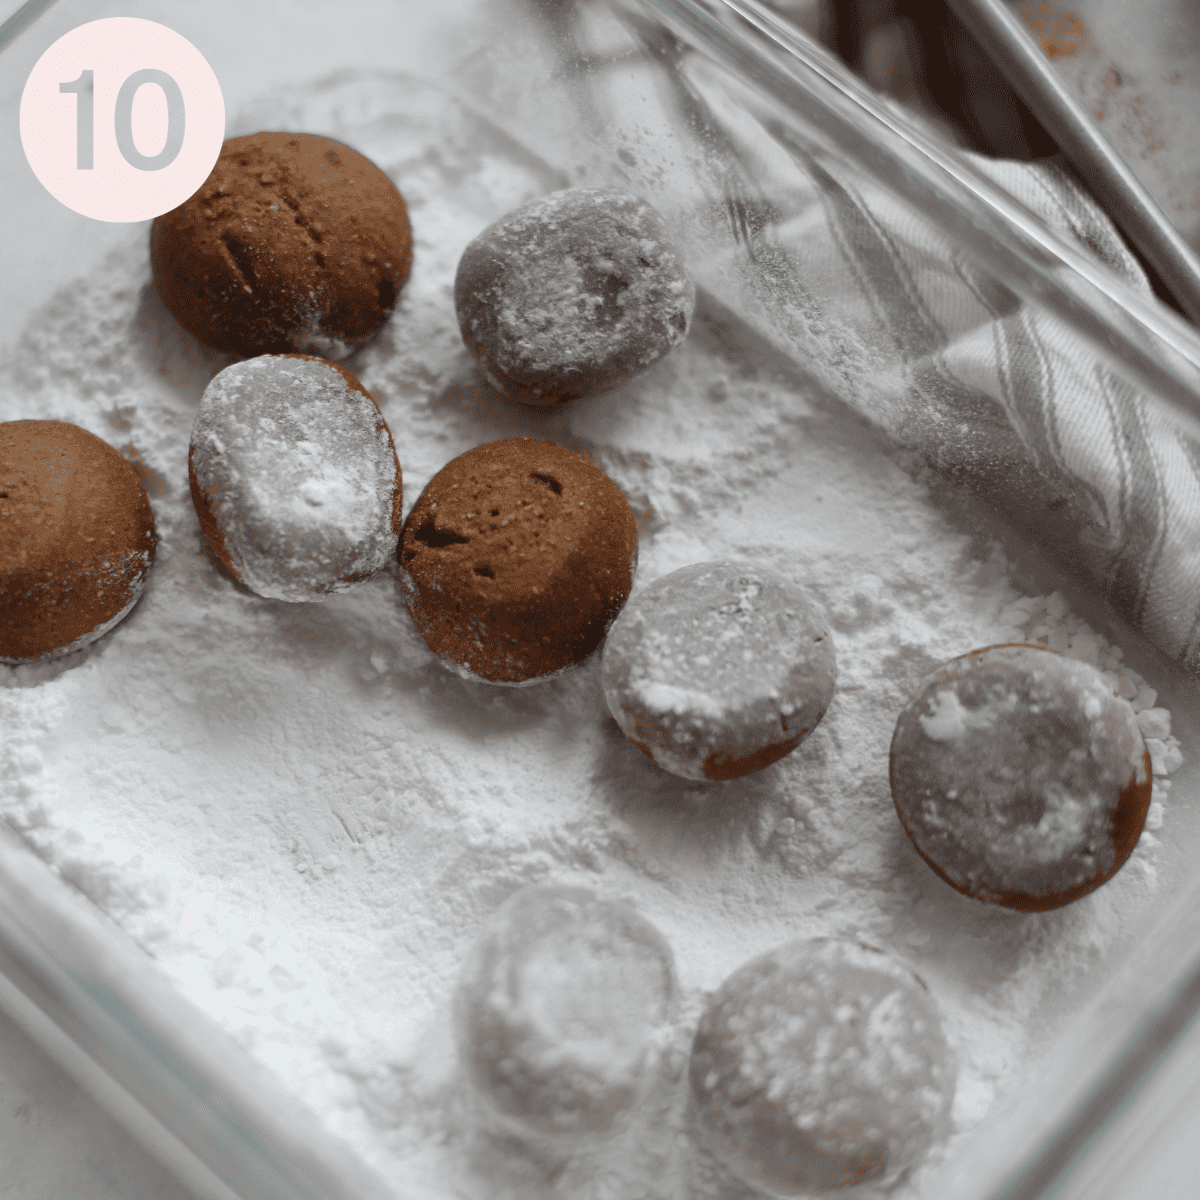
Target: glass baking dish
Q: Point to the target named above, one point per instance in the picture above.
(721, 114)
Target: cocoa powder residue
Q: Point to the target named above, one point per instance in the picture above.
(1061, 32)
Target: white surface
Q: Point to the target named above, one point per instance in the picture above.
(56, 1143)
(1152, 1148)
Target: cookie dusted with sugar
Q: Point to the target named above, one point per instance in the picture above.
(294, 477)
(719, 669)
(1020, 778)
(572, 294)
(294, 243)
(821, 1068)
(516, 559)
(77, 539)
(562, 1013)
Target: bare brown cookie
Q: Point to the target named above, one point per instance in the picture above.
(294, 242)
(294, 477)
(77, 538)
(516, 558)
(1020, 778)
(572, 294)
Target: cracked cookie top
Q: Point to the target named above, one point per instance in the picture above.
(294, 243)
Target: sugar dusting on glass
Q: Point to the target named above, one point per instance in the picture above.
(306, 820)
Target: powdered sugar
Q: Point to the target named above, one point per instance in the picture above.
(562, 1011)
(947, 720)
(300, 474)
(308, 821)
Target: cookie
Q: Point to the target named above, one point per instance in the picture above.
(1020, 778)
(294, 477)
(718, 669)
(821, 1067)
(561, 1012)
(572, 294)
(294, 243)
(516, 559)
(77, 539)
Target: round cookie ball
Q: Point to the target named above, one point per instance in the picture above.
(516, 559)
(820, 1067)
(294, 242)
(562, 1012)
(77, 539)
(294, 477)
(1020, 778)
(571, 295)
(718, 670)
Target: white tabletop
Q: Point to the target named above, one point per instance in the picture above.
(55, 1142)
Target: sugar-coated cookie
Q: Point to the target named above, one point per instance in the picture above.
(821, 1067)
(294, 243)
(77, 539)
(294, 477)
(1020, 778)
(516, 559)
(561, 1012)
(718, 669)
(572, 294)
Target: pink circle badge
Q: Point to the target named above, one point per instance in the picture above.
(122, 119)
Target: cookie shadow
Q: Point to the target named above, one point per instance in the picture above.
(477, 408)
(564, 707)
(970, 938)
(166, 352)
(703, 815)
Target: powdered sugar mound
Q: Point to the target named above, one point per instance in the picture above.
(299, 472)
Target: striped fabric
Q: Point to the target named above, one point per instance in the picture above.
(999, 396)
(886, 312)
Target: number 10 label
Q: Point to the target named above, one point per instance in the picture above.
(122, 119)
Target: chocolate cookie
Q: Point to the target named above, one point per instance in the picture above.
(1020, 778)
(76, 539)
(294, 477)
(515, 560)
(718, 670)
(561, 1012)
(820, 1068)
(294, 242)
(572, 294)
